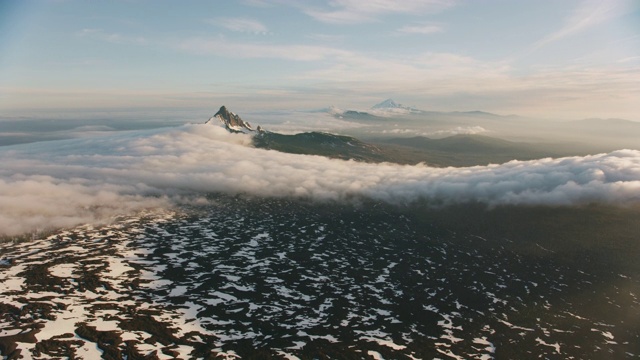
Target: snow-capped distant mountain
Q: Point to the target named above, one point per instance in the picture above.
(383, 109)
(387, 104)
(231, 121)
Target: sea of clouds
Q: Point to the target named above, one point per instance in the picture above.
(86, 180)
(458, 130)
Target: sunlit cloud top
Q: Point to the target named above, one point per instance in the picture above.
(97, 178)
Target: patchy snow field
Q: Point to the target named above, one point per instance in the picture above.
(253, 277)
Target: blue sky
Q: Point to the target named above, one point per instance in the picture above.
(556, 59)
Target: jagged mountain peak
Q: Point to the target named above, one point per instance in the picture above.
(231, 121)
(223, 110)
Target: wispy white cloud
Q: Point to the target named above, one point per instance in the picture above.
(257, 3)
(565, 91)
(629, 59)
(240, 25)
(222, 47)
(112, 37)
(355, 11)
(588, 14)
(438, 71)
(423, 29)
(603, 90)
(326, 38)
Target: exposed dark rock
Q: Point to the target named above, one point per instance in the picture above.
(231, 121)
(319, 143)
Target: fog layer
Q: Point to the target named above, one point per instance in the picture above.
(67, 182)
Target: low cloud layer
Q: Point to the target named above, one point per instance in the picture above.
(67, 182)
(458, 130)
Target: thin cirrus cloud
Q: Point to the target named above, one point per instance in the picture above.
(424, 29)
(102, 177)
(112, 37)
(218, 46)
(243, 25)
(356, 11)
(427, 74)
(589, 14)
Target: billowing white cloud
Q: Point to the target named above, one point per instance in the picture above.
(72, 181)
(293, 122)
(37, 203)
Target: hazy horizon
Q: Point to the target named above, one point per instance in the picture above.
(556, 60)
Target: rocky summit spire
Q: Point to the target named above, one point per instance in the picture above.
(231, 121)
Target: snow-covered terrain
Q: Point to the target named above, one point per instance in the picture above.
(248, 277)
